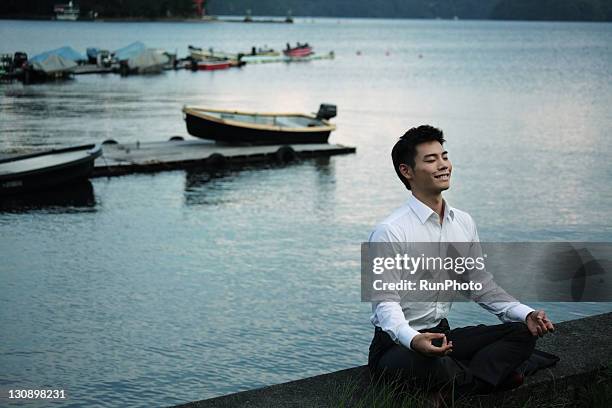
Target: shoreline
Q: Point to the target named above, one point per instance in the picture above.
(31, 17)
(207, 19)
(239, 18)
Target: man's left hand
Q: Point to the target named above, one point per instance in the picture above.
(538, 323)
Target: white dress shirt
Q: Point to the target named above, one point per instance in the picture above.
(416, 222)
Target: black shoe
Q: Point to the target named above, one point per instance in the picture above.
(514, 380)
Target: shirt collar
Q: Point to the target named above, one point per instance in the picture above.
(423, 212)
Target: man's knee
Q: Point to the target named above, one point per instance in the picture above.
(439, 371)
(427, 370)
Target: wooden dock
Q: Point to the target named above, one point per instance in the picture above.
(91, 69)
(120, 159)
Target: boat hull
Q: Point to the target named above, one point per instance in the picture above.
(213, 66)
(298, 52)
(67, 17)
(219, 132)
(45, 178)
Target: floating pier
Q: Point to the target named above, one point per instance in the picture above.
(120, 159)
(91, 69)
(263, 59)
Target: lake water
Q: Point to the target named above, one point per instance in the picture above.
(167, 288)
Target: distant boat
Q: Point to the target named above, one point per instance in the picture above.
(66, 52)
(198, 53)
(211, 65)
(52, 67)
(66, 12)
(149, 61)
(238, 127)
(301, 50)
(44, 170)
(136, 58)
(129, 51)
(262, 52)
(59, 63)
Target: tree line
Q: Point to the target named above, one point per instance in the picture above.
(109, 8)
(561, 10)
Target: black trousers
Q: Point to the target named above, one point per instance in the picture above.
(487, 353)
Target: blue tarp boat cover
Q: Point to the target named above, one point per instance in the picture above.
(129, 51)
(54, 63)
(67, 53)
(148, 61)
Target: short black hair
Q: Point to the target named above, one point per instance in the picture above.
(404, 150)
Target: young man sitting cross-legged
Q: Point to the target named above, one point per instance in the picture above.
(414, 338)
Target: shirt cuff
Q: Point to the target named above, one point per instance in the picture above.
(519, 312)
(405, 334)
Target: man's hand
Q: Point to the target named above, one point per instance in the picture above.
(422, 343)
(538, 323)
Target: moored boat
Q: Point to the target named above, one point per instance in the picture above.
(66, 12)
(68, 53)
(210, 65)
(149, 61)
(52, 67)
(301, 50)
(198, 53)
(44, 170)
(238, 127)
(136, 58)
(129, 51)
(59, 63)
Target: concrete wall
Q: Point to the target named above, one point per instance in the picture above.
(584, 346)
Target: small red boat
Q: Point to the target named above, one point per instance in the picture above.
(212, 65)
(301, 50)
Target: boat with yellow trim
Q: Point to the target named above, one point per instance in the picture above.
(238, 127)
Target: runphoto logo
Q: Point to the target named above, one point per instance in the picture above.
(406, 285)
(412, 264)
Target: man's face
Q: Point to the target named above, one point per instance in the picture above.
(432, 169)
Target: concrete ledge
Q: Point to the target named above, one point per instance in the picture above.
(584, 347)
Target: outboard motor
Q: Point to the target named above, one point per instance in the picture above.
(104, 59)
(326, 111)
